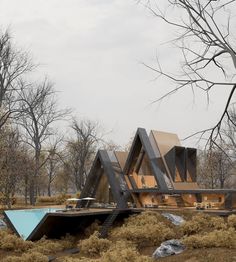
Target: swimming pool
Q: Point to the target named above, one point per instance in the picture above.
(25, 221)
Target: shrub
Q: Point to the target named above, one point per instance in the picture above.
(202, 223)
(147, 228)
(232, 221)
(4, 200)
(47, 199)
(10, 242)
(123, 251)
(148, 217)
(58, 200)
(94, 246)
(216, 238)
(68, 241)
(62, 198)
(28, 257)
(217, 222)
(95, 226)
(144, 235)
(46, 246)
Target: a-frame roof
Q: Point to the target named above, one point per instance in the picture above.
(141, 145)
(168, 148)
(105, 163)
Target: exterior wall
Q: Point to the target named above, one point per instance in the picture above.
(144, 181)
(189, 199)
(148, 199)
(186, 200)
(217, 199)
(169, 200)
(102, 193)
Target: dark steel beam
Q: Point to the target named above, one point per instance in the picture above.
(183, 191)
(103, 166)
(141, 141)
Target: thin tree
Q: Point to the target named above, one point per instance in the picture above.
(54, 162)
(214, 168)
(12, 164)
(206, 40)
(230, 133)
(81, 149)
(14, 64)
(39, 111)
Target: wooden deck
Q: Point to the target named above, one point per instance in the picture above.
(57, 224)
(61, 222)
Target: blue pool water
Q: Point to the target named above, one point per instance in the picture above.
(25, 221)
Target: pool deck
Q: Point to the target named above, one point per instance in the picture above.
(61, 222)
(82, 211)
(74, 221)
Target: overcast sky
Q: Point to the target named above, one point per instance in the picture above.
(93, 51)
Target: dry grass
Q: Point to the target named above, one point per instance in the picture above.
(94, 246)
(46, 246)
(145, 229)
(127, 242)
(201, 223)
(123, 251)
(216, 238)
(27, 251)
(58, 200)
(203, 255)
(232, 221)
(95, 226)
(27, 257)
(10, 242)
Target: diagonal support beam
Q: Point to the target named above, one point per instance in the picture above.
(141, 141)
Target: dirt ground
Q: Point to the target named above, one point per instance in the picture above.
(219, 254)
(204, 255)
(194, 255)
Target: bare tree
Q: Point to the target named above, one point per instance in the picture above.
(12, 163)
(27, 172)
(14, 64)
(54, 162)
(81, 150)
(214, 168)
(38, 112)
(206, 40)
(229, 133)
(112, 146)
(62, 181)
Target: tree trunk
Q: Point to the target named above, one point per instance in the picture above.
(33, 184)
(49, 189)
(32, 191)
(26, 190)
(26, 196)
(222, 183)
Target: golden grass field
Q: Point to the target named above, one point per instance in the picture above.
(207, 238)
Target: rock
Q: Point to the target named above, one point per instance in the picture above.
(168, 248)
(2, 224)
(176, 220)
